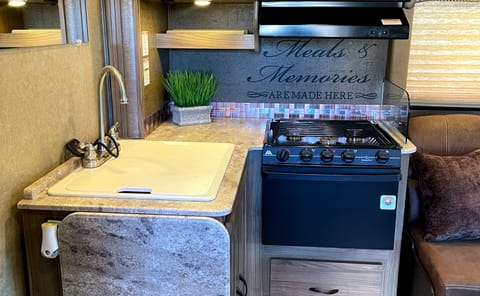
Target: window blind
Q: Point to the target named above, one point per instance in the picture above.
(444, 64)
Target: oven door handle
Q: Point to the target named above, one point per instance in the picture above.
(395, 177)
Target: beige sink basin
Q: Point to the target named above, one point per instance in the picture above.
(187, 171)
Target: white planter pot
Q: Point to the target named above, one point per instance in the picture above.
(191, 115)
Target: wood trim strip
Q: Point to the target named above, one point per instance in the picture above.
(205, 40)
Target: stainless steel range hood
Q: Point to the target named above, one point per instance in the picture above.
(375, 19)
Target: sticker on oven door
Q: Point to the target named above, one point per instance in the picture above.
(388, 202)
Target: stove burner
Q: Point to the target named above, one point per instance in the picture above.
(294, 138)
(357, 140)
(285, 132)
(328, 140)
(354, 132)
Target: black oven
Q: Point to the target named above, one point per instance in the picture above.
(325, 207)
(340, 194)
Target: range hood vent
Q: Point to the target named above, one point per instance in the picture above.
(381, 19)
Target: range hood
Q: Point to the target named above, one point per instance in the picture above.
(371, 19)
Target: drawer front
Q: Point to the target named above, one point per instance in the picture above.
(310, 278)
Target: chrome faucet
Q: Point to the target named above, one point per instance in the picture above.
(101, 143)
(94, 158)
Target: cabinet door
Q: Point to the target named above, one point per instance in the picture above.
(309, 278)
(140, 254)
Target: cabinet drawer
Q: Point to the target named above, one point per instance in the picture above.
(310, 278)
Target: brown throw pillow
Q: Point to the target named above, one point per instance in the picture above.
(450, 192)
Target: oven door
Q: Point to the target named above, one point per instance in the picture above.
(339, 207)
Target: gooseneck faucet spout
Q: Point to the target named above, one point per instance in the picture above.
(101, 100)
(105, 148)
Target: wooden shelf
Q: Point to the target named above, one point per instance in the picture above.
(28, 38)
(205, 39)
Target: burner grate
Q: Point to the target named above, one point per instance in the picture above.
(301, 132)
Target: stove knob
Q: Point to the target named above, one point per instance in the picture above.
(283, 155)
(327, 155)
(382, 156)
(348, 156)
(306, 155)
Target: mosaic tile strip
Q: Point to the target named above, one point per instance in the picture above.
(308, 111)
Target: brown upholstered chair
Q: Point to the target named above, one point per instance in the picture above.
(452, 267)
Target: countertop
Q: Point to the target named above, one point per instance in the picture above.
(245, 134)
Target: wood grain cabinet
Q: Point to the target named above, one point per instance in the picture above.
(310, 271)
(243, 224)
(43, 274)
(307, 277)
(235, 223)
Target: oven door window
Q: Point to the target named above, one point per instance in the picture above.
(329, 210)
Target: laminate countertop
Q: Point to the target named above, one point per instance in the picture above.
(245, 134)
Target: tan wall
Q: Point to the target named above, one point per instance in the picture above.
(47, 96)
(399, 54)
(151, 20)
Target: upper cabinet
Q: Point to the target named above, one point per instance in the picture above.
(225, 24)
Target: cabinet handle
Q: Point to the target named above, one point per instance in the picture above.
(242, 279)
(324, 291)
(240, 292)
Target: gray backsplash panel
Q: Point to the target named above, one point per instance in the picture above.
(312, 71)
(217, 16)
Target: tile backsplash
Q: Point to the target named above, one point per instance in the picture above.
(307, 111)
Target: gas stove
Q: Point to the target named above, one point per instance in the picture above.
(329, 143)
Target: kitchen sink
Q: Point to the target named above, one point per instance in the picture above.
(183, 171)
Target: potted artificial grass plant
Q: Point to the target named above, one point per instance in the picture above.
(191, 93)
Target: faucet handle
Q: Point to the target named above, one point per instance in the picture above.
(89, 159)
(113, 131)
(90, 153)
(114, 137)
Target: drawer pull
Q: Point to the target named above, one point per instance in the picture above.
(239, 292)
(324, 291)
(244, 281)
